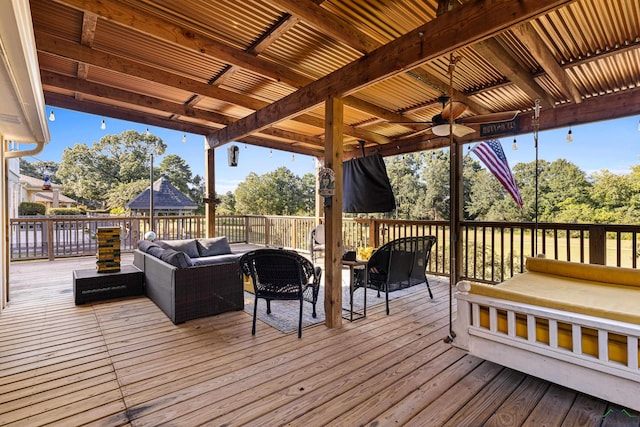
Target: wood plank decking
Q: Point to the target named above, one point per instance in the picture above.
(124, 363)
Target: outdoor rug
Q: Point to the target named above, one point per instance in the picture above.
(284, 314)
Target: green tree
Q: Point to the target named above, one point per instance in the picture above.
(275, 193)
(404, 176)
(227, 205)
(38, 169)
(90, 173)
(435, 174)
(123, 193)
(177, 171)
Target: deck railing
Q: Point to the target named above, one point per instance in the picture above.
(491, 251)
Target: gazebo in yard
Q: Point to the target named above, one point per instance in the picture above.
(167, 200)
(321, 78)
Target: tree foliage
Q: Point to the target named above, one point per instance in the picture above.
(275, 193)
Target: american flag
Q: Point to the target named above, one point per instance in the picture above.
(491, 154)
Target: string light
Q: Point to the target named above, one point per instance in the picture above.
(515, 144)
(103, 125)
(293, 158)
(148, 131)
(184, 138)
(270, 153)
(52, 117)
(569, 136)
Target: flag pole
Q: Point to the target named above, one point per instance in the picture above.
(536, 128)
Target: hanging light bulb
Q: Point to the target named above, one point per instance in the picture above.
(184, 138)
(103, 125)
(270, 153)
(569, 136)
(293, 157)
(638, 125)
(148, 131)
(52, 117)
(515, 144)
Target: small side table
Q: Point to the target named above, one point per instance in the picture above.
(91, 286)
(348, 314)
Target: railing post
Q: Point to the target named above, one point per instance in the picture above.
(50, 226)
(246, 229)
(295, 234)
(597, 245)
(374, 234)
(267, 231)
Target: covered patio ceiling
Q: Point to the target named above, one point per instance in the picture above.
(259, 71)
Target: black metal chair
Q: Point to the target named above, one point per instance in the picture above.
(316, 241)
(281, 275)
(398, 264)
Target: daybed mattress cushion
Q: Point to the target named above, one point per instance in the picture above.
(591, 297)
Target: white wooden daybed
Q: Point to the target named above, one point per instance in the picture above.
(573, 324)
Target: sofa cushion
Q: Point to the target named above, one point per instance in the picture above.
(188, 246)
(144, 245)
(176, 258)
(213, 246)
(156, 251)
(216, 259)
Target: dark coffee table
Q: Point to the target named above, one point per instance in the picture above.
(91, 286)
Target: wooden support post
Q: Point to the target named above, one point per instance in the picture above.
(597, 245)
(333, 215)
(210, 191)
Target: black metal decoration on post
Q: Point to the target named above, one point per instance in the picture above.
(233, 153)
(327, 182)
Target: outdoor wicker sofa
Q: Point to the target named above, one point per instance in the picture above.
(193, 278)
(577, 325)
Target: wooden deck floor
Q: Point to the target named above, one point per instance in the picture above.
(124, 363)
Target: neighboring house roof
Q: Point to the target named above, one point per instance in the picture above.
(36, 183)
(47, 197)
(165, 196)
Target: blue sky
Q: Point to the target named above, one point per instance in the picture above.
(612, 145)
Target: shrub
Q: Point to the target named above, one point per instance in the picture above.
(64, 211)
(31, 208)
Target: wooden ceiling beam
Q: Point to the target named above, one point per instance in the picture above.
(422, 75)
(99, 109)
(79, 53)
(145, 23)
(536, 46)
(590, 110)
(329, 24)
(102, 91)
(501, 59)
(128, 16)
(471, 23)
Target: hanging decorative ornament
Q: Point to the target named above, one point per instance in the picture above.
(233, 154)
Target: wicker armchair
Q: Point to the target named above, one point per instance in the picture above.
(281, 275)
(398, 264)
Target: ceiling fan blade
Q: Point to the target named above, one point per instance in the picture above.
(503, 116)
(413, 134)
(461, 130)
(455, 108)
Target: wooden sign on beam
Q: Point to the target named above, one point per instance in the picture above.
(499, 129)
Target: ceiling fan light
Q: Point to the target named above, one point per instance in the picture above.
(441, 130)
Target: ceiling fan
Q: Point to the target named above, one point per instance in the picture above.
(454, 109)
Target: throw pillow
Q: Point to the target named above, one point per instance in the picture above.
(188, 246)
(156, 251)
(214, 246)
(144, 245)
(176, 258)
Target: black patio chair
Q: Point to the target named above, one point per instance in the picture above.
(316, 241)
(281, 275)
(398, 264)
